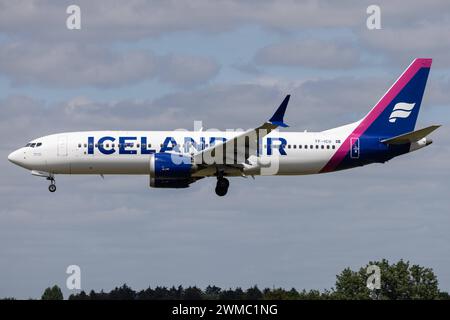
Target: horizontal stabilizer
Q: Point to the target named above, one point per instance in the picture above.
(411, 136)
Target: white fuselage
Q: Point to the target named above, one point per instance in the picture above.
(74, 153)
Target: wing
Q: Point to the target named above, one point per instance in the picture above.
(235, 152)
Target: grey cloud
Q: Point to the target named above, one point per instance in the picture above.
(310, 53)
(315, 105)
(249, 68)
(187, 70)
(402, 43)
(78, 65)
(137, 19)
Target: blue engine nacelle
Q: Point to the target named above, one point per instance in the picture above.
(168, 170)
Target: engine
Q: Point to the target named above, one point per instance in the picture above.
(168, 170)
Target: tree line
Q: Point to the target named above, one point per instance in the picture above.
(399, 281)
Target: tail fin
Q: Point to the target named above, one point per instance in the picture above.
(394, 115)
(396, 112)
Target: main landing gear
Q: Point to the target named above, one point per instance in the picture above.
(222, 185)
(52, 186)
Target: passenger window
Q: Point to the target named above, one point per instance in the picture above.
(149, 145)
(79, 145)
(332, 147)
(138, 145)
(317, 146)
(328, 146)
(85, 145)
(306, 147)
(311, 147)
(289, 146)
(295, 146)
(299, 146)
(321, 147)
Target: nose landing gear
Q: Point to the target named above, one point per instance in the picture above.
(52, 186)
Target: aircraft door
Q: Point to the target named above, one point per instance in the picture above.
(62, 146)
(354, 147)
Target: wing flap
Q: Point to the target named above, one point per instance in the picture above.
(237, 150)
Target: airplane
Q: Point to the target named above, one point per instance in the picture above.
(176, 159)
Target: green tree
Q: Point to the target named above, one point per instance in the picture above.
(212, 292)
(230, 294)
(275, 294)
(122, 293)
(311, 295)
(53, 293)
(80, 296)
(253, 293)
(399, 281)
(193, 293)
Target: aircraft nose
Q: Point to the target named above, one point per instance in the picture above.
(15, 157)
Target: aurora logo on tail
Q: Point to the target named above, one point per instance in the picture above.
(401, 110)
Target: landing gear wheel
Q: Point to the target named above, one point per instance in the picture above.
(52, 188)
(222, 186)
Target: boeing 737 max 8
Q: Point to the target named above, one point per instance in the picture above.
(175, 159)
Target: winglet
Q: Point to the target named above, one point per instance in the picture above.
(277, 118)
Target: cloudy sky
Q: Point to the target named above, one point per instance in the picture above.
(149, 65)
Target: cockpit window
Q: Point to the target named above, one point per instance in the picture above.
(38, 144)
(33, 145)
(27, 145)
